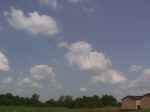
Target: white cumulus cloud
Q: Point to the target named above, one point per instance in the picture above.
(143, 81)
(109, 77)
(27, 82)
(63, 44)
(136, 68)
(33, 22)
(75, 1)
(52, 3)
(44, 74)
(82, 55)
(7, 80)
(83, 89)
(137, 86)
(4, 66)
(40, 76)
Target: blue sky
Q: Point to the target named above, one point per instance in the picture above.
(77, 47)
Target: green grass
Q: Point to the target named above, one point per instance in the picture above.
(32, 109)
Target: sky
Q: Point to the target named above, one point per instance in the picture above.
(75, 47)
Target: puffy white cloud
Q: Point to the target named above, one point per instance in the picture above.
(7, 80)
(82, 55)
(33, 22)
(4, 66)
(142, 82)
(75, 1)
(40, 76)
(83, 89)
(63, 44)
(44, 74)
(109, 77)
(137, 86)
(52, 3)
(136, 68)
(27, 82)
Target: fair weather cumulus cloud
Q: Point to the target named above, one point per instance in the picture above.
(44, 73)
(27, 82)
(82, 55)
(136, 68)
(83, 89)
(63, 44)
(40, 75)
(4, 66)
(75, 1)
(51, 3)
(109, 77)
(54, 3)
(41, 79)
(138, 86)
(33, 22)
(6, 82)
(142, 82)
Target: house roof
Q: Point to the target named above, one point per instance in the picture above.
(147, 95)
(133, 97)
(136, 97)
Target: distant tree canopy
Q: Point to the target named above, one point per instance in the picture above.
(63, 101)
(10, 99)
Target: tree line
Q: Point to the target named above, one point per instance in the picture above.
(63, 101)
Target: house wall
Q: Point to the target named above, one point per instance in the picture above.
(145, 103)
(138, 103)
(129, 104)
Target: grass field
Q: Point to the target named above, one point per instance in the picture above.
(32, 109)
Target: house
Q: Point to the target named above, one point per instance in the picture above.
(131, 102)
(145, 101)
(136, 102)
